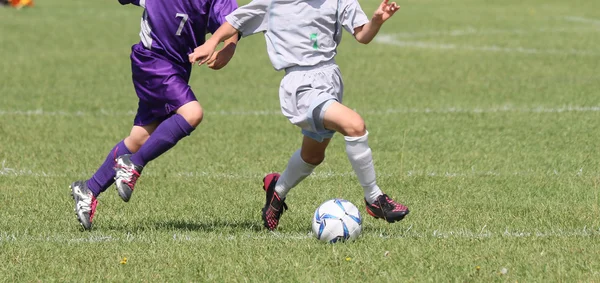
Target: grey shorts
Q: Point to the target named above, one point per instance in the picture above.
(306, 92)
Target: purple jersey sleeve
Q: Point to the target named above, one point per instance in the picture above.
(218, 11)
(134, 2)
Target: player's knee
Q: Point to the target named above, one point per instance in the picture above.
(192, 113)
(195, 118)
(313, 158)
(355, 128)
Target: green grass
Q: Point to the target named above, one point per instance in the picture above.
(483, 119)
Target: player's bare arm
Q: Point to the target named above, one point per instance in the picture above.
(205, 51)
(364, 34)
(220, 58)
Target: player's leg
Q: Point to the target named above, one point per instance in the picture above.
(123, 170)
(301, 164)
(139, 135)
(105, 175)
(85, 192)
(165, 136)
(165, 96)
(349, 123)
(169, 132)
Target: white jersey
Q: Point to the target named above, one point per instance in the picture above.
(299, 32)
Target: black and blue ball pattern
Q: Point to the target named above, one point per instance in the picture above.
(337, 220)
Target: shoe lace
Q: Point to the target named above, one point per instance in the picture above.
(279, 209)
(85, 204)
(129, 175)
(390, 204)
(283, 206)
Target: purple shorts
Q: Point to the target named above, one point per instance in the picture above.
(161, 85)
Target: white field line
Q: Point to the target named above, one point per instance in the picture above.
(474, 31)
(130, 113)
(409, 232)
(446, 110)
(15, 172)
(391, 40)
(583, 20)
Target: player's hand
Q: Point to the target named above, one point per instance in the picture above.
(220, 58)
(386, 10)
(202, 53)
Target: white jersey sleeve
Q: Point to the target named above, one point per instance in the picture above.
(352, 15)
(250, 18)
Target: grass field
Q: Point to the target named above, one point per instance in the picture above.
(484, 118)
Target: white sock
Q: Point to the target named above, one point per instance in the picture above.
(359, 154)
(295, 172)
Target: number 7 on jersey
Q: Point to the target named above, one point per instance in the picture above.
(184, 18)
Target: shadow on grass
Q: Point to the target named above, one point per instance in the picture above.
(187, 225)
(214, 225)
(201, 226)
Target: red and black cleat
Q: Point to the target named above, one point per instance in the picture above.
(274, 205)
(386, 208)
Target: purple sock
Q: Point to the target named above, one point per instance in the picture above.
(105, 176)
(166, 135)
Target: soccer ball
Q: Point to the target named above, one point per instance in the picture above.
(337, 220)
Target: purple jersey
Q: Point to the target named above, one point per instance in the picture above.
(173, 28)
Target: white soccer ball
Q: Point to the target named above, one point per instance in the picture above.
(337, 220)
